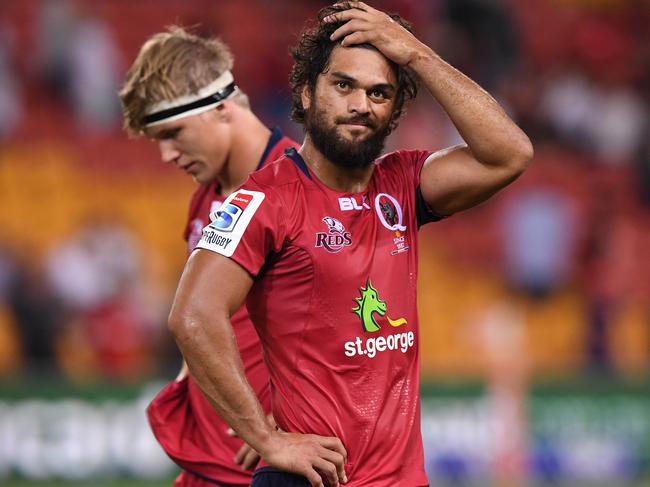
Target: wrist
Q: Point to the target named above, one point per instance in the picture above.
(269, 443)
(421, 56)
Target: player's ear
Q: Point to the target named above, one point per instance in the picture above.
(223, 112)
(305, 97)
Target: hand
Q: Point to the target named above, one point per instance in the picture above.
(366, 25)
(315, 457)
(247, 457)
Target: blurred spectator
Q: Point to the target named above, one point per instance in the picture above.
(111, 326)
(538, 237)
(609, 260)
(520, 93)
(567, 104)
(643, 167)
(616, 122)
(483, 43)
(11, 106)
(54, 38)
(78, 60)
(9, 341)
(98, 262)
(94, 72)
(602, 119)
(38, 316)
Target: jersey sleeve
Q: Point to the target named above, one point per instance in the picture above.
(247, 227)
(415, 160)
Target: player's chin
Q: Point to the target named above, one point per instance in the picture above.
(201, 177)
(202, 174)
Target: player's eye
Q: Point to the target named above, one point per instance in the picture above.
(377, 94)
(342, 85)
(169, 134)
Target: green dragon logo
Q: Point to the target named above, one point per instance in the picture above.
(368, 304)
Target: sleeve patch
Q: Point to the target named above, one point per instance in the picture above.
(229, 223)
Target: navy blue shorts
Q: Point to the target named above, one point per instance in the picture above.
(271, 477)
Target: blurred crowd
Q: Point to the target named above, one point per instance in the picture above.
(575, 74)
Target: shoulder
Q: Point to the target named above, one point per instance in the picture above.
(403, 157)
(280, 175)
(278, 149)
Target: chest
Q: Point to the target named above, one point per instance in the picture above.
(360, 233)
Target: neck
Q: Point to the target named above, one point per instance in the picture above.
(249, 139)
(346, 180)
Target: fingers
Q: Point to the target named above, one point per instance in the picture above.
(356, 38)
(309, 454)
(348, 28)
(354, 10)
(333, 451)
(327, 470)
(337, 460)
(359, 21)
(364, 7)
(314, 478)
(350, 5)
(251, 460)
(247, 457)
(334, 444)
(343, 16)
(241, 454)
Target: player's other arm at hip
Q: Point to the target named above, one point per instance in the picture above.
(210, 290)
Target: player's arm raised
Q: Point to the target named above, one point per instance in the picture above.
(210, 290)
(497, 150)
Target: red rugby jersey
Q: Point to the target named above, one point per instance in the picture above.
(183, 421)
(334, 302)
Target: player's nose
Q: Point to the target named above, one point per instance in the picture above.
(358, 102)
(168, 151)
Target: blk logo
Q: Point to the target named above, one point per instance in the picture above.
(349, 203)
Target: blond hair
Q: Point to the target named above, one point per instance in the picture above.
(171, 64)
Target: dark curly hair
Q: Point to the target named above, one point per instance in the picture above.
(312, 56)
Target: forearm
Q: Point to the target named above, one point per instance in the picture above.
(491, 135)
(211, 352)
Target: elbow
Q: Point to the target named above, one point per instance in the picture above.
(179, 324)
(522, 155)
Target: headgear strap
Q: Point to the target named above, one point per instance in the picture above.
(207, 98)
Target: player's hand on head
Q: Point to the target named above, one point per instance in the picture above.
(318, 458)
(367, 25)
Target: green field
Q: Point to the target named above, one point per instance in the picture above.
(113, 483)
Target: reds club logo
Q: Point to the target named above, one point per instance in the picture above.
(336, 237)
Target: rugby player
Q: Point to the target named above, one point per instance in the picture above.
(181, 93)
(322, 246)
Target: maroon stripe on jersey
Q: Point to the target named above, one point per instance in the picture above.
(297, 159)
